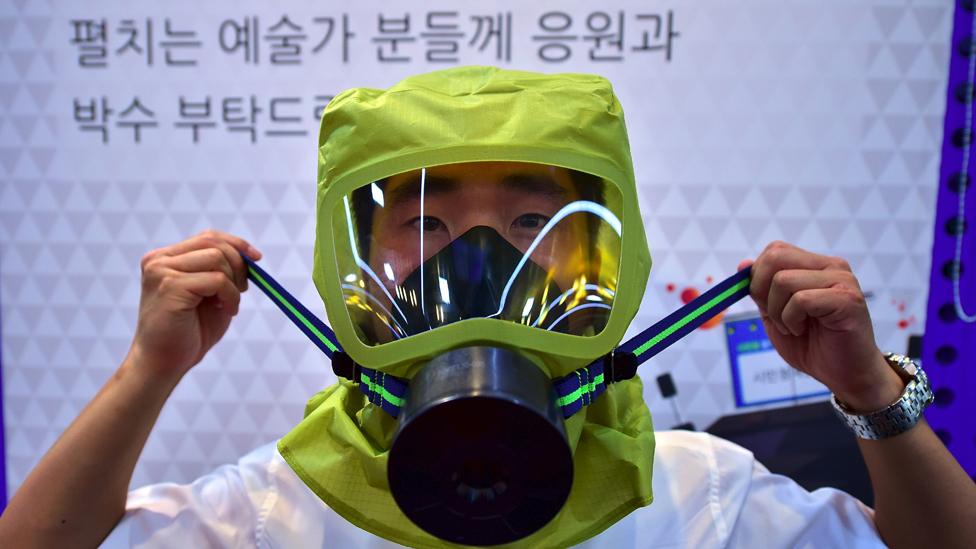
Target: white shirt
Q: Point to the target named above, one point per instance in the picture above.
(708, 492)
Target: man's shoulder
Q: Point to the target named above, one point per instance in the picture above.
(699, 483)
(704, 461)
(693, 442)
(718, 494)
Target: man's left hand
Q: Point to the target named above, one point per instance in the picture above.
(816, 317)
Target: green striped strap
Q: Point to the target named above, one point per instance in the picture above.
(581, 387)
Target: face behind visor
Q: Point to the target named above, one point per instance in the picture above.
(532, 244)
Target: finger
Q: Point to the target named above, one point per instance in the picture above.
(745, 263)
(787, 282)
(236, 263)
(212, 236)
(835, 308)
(211, 284)
(214, 239)
(220, 252)
(780, 255)
(197, 261)
(237, 242)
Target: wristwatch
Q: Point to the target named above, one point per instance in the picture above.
(902, 414)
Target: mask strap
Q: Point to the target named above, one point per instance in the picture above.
(381, 389)
(574, 391)
(316, 330)
(581, 387)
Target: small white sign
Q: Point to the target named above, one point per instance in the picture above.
(764, 377)
(759, 374)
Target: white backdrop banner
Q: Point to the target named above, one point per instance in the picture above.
(125, 127)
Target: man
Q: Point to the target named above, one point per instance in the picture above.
(400, 268)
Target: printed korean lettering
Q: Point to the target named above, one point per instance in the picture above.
(663, 33)
(178, 40)
(443, 36)
(93, 115)
(137, 116)
(91, 37)
(137, 39)
(239, 116)
(555, 48)
(330, 26)
(393, 32)
(285, 40)
(607, 36)
(495, 29)
(195, 115)
(234, 36)
(285, 125)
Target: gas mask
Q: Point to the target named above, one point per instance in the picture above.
(480, 453)
(480, 254)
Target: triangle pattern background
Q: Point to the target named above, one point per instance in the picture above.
(813, 122)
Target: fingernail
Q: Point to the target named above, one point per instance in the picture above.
(253, 252)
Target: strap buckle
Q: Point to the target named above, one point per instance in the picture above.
(344, 366)
(619, 365)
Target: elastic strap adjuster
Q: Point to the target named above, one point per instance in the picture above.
(619, 365)
(344, 366)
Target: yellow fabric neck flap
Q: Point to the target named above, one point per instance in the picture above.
(340, 451)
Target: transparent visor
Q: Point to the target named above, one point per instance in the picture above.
(528, 243)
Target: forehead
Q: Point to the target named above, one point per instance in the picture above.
(521, 177)
(497, 170)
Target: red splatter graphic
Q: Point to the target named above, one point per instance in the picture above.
(670, 287)
(903, 323)
(906, 322)
(689, 294)
(708, 279)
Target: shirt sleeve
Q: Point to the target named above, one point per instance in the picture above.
(220, 509)
(778, 512)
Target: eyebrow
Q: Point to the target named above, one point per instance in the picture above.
(410, 190)
(534, 184)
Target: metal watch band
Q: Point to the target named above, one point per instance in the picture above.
(898, 417)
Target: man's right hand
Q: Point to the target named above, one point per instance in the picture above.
(190, 292)
(77, 493)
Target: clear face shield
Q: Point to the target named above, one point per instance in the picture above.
(534, 244)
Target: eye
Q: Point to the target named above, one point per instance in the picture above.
(530, 222)
(427, 223)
